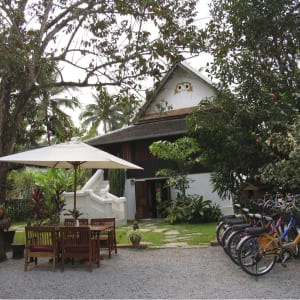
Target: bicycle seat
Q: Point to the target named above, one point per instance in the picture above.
(258, 216)
(257, 230)
(224, 218)
(268, 218)
(240, 227)
(235, 221)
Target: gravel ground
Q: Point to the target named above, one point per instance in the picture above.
(164, 273)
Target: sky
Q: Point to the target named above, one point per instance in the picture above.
(85, 94)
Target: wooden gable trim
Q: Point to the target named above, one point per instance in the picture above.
(172, 113)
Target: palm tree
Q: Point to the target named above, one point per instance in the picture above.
(104, 112)
(127, 105)
(57, 122)
(49, 118)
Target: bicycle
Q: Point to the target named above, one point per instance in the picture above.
(226, 221)
(259, 250)
(233, 233)
(239, 232)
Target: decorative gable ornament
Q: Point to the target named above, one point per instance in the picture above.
(183, 87)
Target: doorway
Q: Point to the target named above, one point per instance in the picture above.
(148, 193)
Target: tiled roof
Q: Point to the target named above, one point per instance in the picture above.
(154, 129)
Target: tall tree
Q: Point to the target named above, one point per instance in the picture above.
(255, 45)
(109, 111)
(97, 43)
(49, 121)
(128, 105)
(104, 112)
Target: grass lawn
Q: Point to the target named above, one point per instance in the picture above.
(157, 232)
(154, 231)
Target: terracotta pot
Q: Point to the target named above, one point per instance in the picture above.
(136, 244)
(135, 240)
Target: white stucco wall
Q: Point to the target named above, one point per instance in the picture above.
(201, 185)
(192, 90)
(129, 194)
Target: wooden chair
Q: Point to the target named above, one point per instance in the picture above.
(40, 242)
(108, 237)
(83, 222)
(78, 242)
(69, 222)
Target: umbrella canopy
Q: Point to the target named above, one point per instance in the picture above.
(74, 154)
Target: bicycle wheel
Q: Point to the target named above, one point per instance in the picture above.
(225, 236)
(220, 230)
(223, 225)
(292, 234)
(232, 243)
(253, 259)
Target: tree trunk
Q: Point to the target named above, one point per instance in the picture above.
(3, 179)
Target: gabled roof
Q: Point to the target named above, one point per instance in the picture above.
(155, 129)
(170, 123)
(183, 65)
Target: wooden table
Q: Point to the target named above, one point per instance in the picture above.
(94, 228)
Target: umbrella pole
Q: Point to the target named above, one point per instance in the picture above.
(75, 188)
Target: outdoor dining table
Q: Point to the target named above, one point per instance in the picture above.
(95, 229)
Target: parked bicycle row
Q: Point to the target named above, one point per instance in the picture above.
(257, 239)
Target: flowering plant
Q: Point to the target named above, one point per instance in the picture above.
(38, 207)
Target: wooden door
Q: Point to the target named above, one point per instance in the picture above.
(141, 199)
(145, 195)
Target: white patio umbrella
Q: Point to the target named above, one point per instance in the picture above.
(74, 154)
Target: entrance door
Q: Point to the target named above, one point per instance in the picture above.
(147, 193)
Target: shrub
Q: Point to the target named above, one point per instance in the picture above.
(193, 209)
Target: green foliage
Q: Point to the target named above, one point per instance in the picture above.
(54, 182)
(74, 213)
(121, 48)
(17, 209)
(284, 171)
(162, 206)
(193, 209)
(109, 111)
(116, 179)
(154, 233)
(51, 184)
(255, 46)
(38, 211)
(20, 183)
(176, 180)
(48, 122)
(134, 236)
(184, 152)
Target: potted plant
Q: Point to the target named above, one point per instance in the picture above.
(135, 237)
